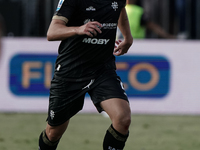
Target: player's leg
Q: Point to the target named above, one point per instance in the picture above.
(109, 95)
(57, 124)
(50, 137)
(54, 133)
(66, 99)
(120, 115)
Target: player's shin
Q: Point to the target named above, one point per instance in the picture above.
(114, 140)
(45, 143)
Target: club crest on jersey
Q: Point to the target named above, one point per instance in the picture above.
(114, 5)
(59, 5)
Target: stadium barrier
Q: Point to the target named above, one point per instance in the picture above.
(159, 76)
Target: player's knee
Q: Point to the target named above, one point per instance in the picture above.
(53, 136)
(123, 121)
(54, 133)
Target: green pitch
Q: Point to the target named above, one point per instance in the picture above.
(86, 132)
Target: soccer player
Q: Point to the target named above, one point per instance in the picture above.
(86, 64)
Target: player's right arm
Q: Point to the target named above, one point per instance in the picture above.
(122, 47)
(58, 30)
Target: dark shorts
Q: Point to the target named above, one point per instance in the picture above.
(67, 98)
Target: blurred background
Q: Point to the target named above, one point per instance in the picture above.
(32, 17)
(161, 75)
(154, 71)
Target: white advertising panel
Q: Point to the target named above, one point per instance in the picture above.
(159, 76)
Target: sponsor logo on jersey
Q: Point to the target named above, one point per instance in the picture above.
(109, 25)
(91, 8)
(60, 5)
(114, 5)
(104, 25)
(96, 41)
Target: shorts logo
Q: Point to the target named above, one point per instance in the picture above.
(58, 68)
(122, 86)
(52, 114)
(60, 5)
(88, 86)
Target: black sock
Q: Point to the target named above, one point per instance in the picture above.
(45, 143)
(114, 140)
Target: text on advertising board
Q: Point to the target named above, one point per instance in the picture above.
(143, 76)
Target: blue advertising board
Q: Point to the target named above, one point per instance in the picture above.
(30, 74)
(143, 76)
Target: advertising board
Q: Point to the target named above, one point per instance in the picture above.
(159, 76)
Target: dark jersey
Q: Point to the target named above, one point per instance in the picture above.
(82, 57)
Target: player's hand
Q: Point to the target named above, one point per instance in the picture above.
(121, 47)
(91, 29)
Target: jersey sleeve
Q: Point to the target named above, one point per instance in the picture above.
(65, 10)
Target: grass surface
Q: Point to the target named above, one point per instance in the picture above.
(86, 132)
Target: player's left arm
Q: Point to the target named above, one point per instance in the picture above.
(122, 47)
